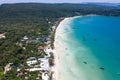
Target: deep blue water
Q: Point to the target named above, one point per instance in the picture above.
(101, 35)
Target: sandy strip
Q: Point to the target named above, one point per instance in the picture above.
(57, 50)
(56, 54)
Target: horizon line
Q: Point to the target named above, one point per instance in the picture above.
(58, 3)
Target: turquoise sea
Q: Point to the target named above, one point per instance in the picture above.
(93, 48)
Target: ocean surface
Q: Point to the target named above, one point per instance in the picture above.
(88, 48)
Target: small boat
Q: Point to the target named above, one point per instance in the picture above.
(102, 68)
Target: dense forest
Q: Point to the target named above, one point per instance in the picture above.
(34, 20)
(55, 10)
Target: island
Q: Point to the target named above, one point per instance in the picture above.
(27, 33)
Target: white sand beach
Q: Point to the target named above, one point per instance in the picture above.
(66, 67)
(63, 61)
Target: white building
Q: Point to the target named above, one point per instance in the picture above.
(44, 63)
(45, 76)
(31, 58)
(29, 63)
(35, 69)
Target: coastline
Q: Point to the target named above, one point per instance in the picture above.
(63, 70)
(54, 30)
(56, 55)
(57, 49)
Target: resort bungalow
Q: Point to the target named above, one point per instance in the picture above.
(44, 64)
(31, 58)
(29, 63)
(40, 48)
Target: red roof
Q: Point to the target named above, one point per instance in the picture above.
(40, 47)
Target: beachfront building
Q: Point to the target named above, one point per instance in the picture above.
(45, 76)
(29, 63)
(44, 64)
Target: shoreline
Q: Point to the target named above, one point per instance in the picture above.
(56, 53)
(54, 31)
(62, 57)
(56, 56)
(53, 68)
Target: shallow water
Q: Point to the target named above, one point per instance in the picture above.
(90, 48)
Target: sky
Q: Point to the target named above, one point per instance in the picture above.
(57, 1)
